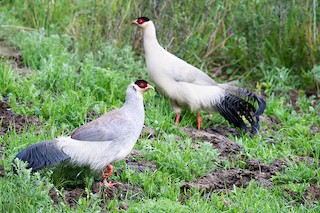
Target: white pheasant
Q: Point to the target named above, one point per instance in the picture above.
(188, 86)
(97, 144)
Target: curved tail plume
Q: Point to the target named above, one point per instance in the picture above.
(237, 107)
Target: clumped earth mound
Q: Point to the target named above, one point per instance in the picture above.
(10, 119)
(14, 59)
(221, 179)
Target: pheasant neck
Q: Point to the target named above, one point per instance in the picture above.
(134, 104)
(150, 38)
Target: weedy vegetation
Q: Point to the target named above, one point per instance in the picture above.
(71, 61)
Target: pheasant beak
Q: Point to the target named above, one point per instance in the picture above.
(146, 88)
(135, 22)
(149, 87)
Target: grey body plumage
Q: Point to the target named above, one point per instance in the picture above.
(97, 144)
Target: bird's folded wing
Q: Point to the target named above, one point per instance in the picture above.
(184, 72)
(94, 133)
(105, 128)
(198, 96)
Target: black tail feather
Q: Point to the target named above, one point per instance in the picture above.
(42, 154)
(251, 96)
(234, 109)
(262, 106)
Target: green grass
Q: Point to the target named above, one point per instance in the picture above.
(268, 32)
(81, 64)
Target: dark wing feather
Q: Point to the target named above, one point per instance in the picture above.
(42, 154)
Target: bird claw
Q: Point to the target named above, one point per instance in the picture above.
(110, 184)
(108, 173)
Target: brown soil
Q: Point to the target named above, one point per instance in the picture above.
(229, 150)
(222, 180)
(7, 117)
(312, 194)
(120, 191)
(218, 138)
(14, 58)
(294, 97)
(1, 171)
(10, 119)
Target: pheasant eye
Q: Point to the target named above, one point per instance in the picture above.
(140, 21)
(143, 19)
(141, 83)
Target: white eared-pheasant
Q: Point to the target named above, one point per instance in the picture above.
(188, 86)
(97, 144)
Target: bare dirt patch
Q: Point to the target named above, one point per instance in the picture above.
(294, 96)
(10, 119)
(221, 180)
(314, 129)
(120, 191)
(14, 58)
(9, 52)
(313, 92)
(1, 171)
(312, 194)
(71, 196)
(273, 124)
(141, 166)
(218, 138)
(229, 150)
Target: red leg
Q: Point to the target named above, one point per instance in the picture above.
(199, 119)
(177, 119)
(110, 170)
(108, 173)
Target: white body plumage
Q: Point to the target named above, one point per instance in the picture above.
(188, 86)
(96, 154)
(185, 84)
